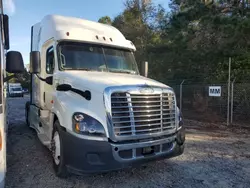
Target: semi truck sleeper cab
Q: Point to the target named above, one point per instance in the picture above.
(89, 104)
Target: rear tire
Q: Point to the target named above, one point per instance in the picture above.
(57, 152)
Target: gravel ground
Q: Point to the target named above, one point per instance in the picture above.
(212, 158)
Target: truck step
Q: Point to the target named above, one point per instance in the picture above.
(44, 120)
(44, 139)
(44, 113)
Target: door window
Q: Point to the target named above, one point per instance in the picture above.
(50, 62)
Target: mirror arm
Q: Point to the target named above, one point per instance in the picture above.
(48, 80)
(44, 80)
(66, 87)
(85, 94)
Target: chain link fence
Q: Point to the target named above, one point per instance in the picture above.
(230, 107)
(240, 103)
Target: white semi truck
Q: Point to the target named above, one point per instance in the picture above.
(89, 104)
(12, 62)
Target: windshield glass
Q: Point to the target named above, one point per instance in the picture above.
(90, 57)
(16, 89)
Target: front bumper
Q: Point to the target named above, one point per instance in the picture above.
(88, 156)
(16, 94)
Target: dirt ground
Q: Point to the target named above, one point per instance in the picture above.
(213, 158)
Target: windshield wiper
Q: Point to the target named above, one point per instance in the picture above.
(86, 69)
(123, 71)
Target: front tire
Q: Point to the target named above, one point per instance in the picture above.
(57, 152)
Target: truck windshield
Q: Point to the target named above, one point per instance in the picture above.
(16, 89)
(90, 57)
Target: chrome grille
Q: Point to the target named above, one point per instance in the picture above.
(142, 114)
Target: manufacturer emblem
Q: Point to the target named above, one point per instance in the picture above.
(146, 90)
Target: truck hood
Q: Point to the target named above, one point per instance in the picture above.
(98, 81)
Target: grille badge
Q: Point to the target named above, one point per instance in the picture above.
(146, 90)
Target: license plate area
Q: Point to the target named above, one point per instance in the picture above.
(148, 150)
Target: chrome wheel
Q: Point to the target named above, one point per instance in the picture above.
(56, 148)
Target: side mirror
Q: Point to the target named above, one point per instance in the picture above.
(14, 62)
(6, 32)
(144, 69)
(49, 80)
(64, 87)
(35, 60)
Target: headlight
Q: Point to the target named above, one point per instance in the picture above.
(86, 125)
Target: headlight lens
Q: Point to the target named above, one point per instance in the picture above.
(86, 125)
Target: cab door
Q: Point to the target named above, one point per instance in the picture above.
(49, 70)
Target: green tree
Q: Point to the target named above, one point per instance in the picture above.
(193, 41)
(141, 22)
(105, 20)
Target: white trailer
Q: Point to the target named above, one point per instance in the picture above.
(89, 104)
(12, 63)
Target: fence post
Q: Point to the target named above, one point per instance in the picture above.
(181, 95)
(232, 100)
(228, 90)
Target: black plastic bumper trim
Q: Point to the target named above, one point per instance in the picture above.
(88, 156)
